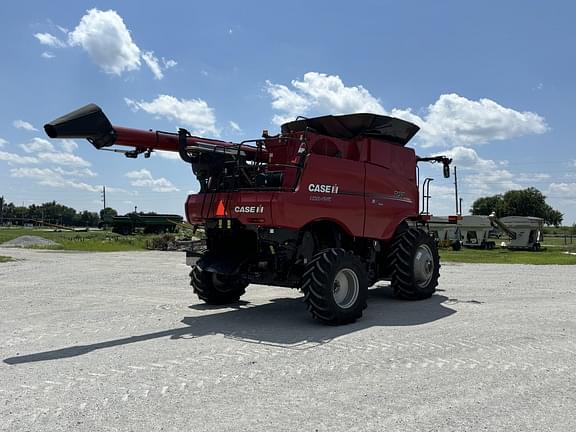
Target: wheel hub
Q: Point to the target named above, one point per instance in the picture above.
(345, 288)
(423, 265)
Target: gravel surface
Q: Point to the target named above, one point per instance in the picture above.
(28, 241)
(118, 342)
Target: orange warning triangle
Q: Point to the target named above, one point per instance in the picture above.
(220, 210)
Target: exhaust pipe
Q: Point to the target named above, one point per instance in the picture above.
(87, 122)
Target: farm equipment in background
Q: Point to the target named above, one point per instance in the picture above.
(524, 232)
(447, 236)
(147, 223)
(477, 232)
(329, 205)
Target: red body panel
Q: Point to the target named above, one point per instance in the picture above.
(368, 187)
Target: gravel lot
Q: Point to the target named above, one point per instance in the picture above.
(118, 341)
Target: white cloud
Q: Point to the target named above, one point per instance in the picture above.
(235, 126)
(107, 40)
(467, 158)
(143, 178)
(169, 63)
(45, 151)
(153, 63)
(192, 113)
(452, 120)
(321, 94)
(167, 155)
(3, 142)
(81, 172)
(47, 55)
(37, 145)
(21, 124)
(69, 145)
(49, 40)
(48, 177)
(63, 159)
(13, 158)
(563, 190)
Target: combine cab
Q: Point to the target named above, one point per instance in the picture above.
(329, 205)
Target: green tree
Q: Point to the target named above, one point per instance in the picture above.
(487, 205)
(525, 202)
(106, 214)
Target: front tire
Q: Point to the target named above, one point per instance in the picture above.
(416, 265)
(335, 287)
(216, 289)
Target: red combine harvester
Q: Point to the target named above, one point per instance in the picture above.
(329, 205)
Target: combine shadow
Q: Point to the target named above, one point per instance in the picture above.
(284, 322)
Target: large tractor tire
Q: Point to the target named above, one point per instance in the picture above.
(415, 265)
(335, 286)
(216, 289)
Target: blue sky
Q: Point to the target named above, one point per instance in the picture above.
(490, 83)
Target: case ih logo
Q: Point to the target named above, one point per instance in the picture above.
(323, 188)
(249, 209)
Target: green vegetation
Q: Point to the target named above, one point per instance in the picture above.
(4, 259)
(551, 255)
(89, 241)
(526, 202)
(49, 212)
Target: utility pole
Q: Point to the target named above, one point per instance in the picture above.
(456, 188)
(460, 214)
(104, 196)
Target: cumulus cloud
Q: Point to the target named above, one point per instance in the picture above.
(37, 145)
(21, 124)
(69, 145)
(563, 190)
(13, 158)
(3, 142)
(107, 40)
(452, 120)
(67, 159)
(194, 114)
(321, 94)
(44, 151)
(154, 64)
(49, 40)
(144, 178)
(48, 177)
(81, 172)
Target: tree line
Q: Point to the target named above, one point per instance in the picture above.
(525, 202)
(51, 213)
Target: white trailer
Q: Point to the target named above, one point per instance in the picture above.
(447, 235)
(475, 232)
(525, 232)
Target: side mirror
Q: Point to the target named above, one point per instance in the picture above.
(446, 170)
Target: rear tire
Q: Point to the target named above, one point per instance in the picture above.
(416, 265)
(216, 289)
(335, 287)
